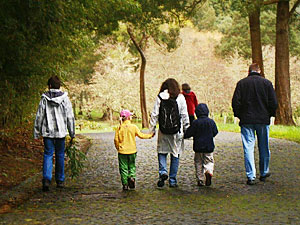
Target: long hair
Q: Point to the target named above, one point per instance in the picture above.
(172, 86)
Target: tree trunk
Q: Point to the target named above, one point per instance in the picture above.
(254, 24)
(284, 114)
(111, 115)
(80, 103)
(74, 110)
(145, 122)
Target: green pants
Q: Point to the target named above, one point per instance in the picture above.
(127, 167)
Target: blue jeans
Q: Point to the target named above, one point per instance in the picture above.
(51, 145)
(248, 138)
(162, 163)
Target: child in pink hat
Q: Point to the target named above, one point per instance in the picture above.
(126, 147)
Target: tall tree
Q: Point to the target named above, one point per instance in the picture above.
(282, 76)
(140, 48)
(282, 63)
(146, 23)
(255, 34)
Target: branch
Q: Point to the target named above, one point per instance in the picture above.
(294, 7)
(135, 43)
(269, 2)
(189, 9)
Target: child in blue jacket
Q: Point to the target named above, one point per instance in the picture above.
(203, 130)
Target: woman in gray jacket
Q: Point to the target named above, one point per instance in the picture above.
(169, 143)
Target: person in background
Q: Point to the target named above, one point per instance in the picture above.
(203, 130)
(191, 100)
(254, 102)
(126, 147)
(54, 120)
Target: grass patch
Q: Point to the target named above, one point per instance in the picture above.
(229, 127)
(86, 126)
(291, 133)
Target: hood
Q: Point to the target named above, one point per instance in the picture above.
(201, 110)
(165, 94)
(55, 96)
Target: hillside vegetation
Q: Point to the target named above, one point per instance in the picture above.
(115, 83)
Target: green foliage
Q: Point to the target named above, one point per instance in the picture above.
(76, 160)
(88, 125)
(232, 21)
(294, 35)
(205, 17)
(237, 39)
(39, 39)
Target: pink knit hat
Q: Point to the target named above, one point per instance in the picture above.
(125, 113)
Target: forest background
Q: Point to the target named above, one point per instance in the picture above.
(103, 49)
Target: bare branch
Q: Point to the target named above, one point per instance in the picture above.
(269, 2)
(135, 43)
(294, 7)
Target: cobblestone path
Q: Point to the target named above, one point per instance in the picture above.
(97, 197)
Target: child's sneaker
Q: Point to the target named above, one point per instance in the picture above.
(208, 177)
(161, 181)
(131, 183)
(125, 187)
(200, 183)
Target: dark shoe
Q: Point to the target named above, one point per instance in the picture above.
(208, 177)
(60, 184)
(131, 183)
(200, 183)
(250, 182)
(125, 187)
(263, 178)
(161, 181)
(173, 185)
(46, 184)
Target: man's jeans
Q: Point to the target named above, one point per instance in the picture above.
(162, 161)
(51, 145)
(248, 139)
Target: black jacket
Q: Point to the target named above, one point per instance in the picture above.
(203, 130)
(254, 100)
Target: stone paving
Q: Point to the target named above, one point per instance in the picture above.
(97, 197)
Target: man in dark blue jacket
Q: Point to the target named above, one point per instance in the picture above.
(254, 103)
(203, 130)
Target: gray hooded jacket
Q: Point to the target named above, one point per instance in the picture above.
(54, 117)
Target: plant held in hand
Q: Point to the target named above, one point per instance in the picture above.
(76, 159)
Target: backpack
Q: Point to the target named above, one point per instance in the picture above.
(169, 118)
